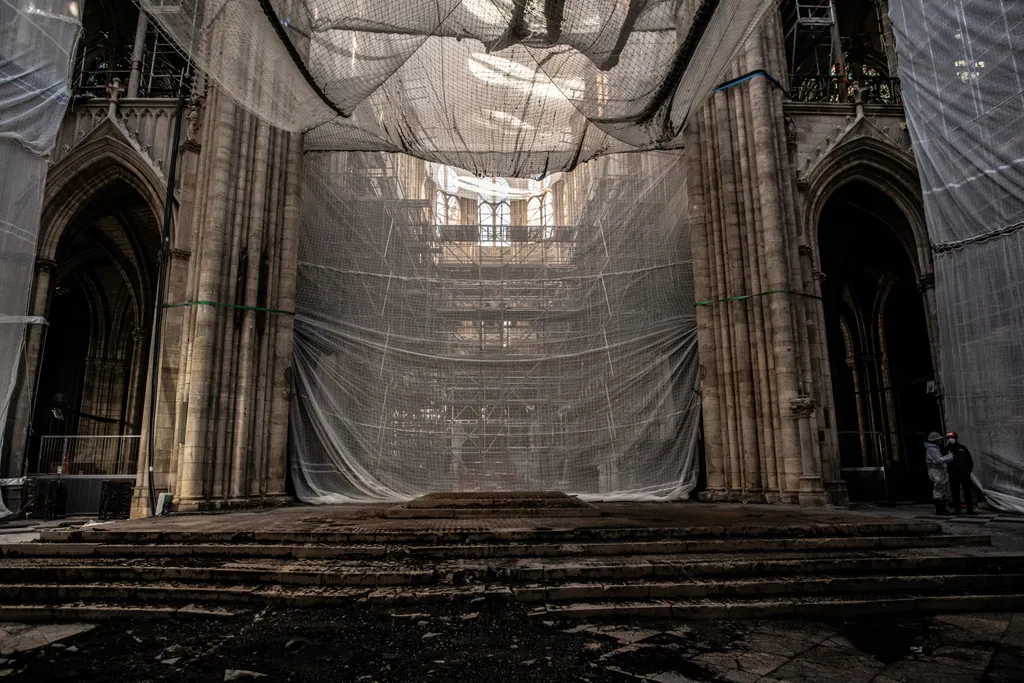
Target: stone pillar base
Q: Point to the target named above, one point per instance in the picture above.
(195, 505)
(723, 496)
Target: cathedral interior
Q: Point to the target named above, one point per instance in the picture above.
(240, 313)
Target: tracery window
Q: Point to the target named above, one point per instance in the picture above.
(446, 209)
(540, 214)
(495, 218)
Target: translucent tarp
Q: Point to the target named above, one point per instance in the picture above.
(961, 65)
(37, 40)
(499, 87)
(455, 333)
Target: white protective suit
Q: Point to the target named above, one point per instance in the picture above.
(937, 471)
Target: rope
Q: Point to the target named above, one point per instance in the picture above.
(219, 304)
(744, 297)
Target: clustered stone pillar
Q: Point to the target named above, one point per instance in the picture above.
(223, 414)
(768, 433)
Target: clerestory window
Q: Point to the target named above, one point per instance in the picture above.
(495, 218)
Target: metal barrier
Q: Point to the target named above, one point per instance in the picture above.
(73, 474)
(94, 456)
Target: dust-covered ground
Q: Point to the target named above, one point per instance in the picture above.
(489, 642)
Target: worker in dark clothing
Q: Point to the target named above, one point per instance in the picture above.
(960, 469)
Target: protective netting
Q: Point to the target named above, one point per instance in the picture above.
(37, 39)
(962, 67)
(455, 333)
(499, 87)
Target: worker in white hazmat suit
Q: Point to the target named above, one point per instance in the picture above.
(937, 471)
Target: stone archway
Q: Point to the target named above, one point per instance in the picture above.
(102, 263)
(877, 331)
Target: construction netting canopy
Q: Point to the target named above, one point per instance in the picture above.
(961, 67)
(498, 87)
(456, 333)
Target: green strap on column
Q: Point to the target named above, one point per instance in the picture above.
(744, 297)
(219, 304)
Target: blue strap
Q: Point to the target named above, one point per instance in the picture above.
(746, 77)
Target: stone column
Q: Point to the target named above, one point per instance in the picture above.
(20, 416)
(235, 342)
(138, 49)
(926, 288)
(759, 328)
(888, 37)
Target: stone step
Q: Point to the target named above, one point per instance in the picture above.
(442, 552)
(48, 614)
(509, 572)
(531, 530)
(651, 597)
(807, 608)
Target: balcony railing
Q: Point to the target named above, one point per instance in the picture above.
(836, 90)
(508, 234)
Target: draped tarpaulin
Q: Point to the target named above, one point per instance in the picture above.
(455, 333)
(961, 65)
(37, 42)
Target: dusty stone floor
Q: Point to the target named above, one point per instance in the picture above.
(367, 518)
(497, 643)
(489, 643)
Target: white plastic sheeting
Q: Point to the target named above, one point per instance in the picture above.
(463, 334)
(961, 64)
(500, 87)
(37, 41)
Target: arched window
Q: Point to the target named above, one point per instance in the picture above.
(534, 212)
(495, 217)
(446, 209)
(549, 215)
(540, 213)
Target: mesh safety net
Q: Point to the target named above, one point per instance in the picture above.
(961, 67)
(456, 333)
(498, 87)
(37, 40)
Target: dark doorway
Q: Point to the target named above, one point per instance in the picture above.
(92, 380)
(879, 350)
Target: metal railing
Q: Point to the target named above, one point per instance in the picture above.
(834, 89)
(88, 455)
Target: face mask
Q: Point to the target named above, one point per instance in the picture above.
(952, 441)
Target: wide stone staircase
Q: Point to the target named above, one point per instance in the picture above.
(609, 560)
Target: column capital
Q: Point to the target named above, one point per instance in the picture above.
(926, 281)
(46, 265)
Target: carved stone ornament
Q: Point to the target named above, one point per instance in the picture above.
(790, 132)
(193, 119)
(803, 406)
